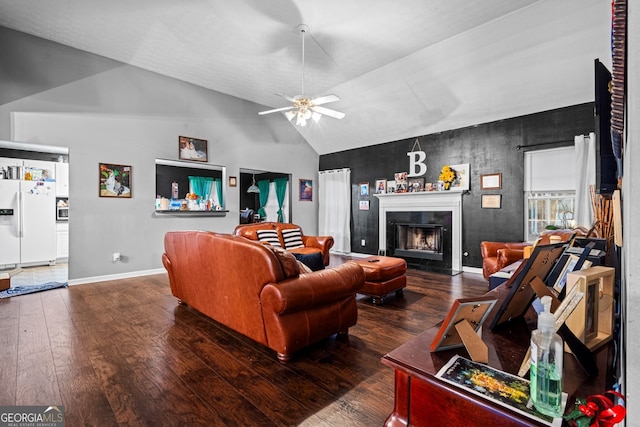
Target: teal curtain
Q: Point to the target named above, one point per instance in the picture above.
(218, 182)
(207, 189)
(201, 186)
(264, 196)
(281, 191)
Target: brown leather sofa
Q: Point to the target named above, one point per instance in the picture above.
(312, 244)
(259, 292)
(498, 255)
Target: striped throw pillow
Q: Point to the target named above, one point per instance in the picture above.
(269, 236)
(292, 238)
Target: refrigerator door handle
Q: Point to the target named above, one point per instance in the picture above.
(21, 210)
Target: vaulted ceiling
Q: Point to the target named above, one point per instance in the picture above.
(401, 68)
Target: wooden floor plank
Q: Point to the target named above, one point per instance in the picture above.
(124, 352)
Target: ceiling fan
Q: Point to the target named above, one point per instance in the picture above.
(305, 108)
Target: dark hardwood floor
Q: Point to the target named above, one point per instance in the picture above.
(125, 353)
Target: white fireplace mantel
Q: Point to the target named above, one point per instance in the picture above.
(426, 201)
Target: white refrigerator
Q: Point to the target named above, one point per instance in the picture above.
(27, 222)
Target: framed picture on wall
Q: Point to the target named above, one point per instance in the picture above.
(363, 205)
(491, 201)
(114, 180)
(305, 190)
(364, 189)
(492, 181)
(192, 149)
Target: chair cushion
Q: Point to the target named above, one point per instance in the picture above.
(313, 261)
(292, 238)
(270, 237)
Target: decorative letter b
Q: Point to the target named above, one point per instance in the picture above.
(417, 158)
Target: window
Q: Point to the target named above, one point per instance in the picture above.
(549, 190)
(545, 209)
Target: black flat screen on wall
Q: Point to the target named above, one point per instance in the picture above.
(606, 169)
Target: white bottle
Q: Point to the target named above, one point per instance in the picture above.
(547, 352)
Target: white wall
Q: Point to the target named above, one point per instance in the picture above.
(631, 206)
(114, 113)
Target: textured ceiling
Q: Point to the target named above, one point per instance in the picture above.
(401, 68)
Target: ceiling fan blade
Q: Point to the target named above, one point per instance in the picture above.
(325, 99)
(327, 112)
(276, 110)
(288, 98)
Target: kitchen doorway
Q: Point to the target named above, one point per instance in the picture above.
(42, 169)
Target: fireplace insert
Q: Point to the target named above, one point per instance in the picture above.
(423, 239)
(419, 241)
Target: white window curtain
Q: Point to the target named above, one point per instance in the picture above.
(334, 200)
(271, 208)
(585, 148)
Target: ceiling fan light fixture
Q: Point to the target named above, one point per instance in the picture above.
(305, 107)
(290, 115)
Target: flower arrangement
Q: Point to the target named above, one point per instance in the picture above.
(447, 175)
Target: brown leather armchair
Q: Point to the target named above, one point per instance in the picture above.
(498, 255)
(260, 292)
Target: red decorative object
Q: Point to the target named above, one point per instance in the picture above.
(602, 411)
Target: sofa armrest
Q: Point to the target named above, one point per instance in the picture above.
(313, 290)
(324, 243)
(321, 242)
(167, 265)
(508, 256)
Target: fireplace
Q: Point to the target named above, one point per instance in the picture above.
(418, 241)
(424, 228)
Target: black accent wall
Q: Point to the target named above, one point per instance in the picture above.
(495, 147)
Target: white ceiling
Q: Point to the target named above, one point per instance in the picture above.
(401, 68)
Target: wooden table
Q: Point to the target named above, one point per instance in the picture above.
(422, 399)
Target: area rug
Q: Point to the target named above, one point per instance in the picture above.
(23, 290)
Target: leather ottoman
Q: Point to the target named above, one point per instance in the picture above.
(383, 275)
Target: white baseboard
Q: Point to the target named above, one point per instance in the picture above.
(95, 279)
(475, 270)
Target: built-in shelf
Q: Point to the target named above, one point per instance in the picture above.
(191, 213)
